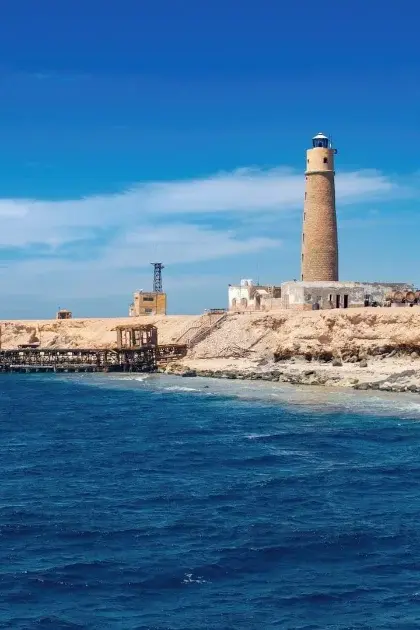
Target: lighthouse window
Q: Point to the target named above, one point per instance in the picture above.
(325, 160)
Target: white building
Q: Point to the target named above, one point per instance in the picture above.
(324, 295)
(248, 296)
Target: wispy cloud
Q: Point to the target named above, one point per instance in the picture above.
(250, 191)
(92, 239)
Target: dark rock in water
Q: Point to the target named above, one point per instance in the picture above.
(362, 386)
(309, 372)
(189, 373)
(337, 362)
(363, 363)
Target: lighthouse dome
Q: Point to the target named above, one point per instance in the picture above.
(320, 141)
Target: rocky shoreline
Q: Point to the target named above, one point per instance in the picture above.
(394, 373)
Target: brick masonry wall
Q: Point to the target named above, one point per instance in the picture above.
(319, 233)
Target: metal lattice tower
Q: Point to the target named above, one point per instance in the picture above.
(157, 277)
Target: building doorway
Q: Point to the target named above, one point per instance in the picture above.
(337, 301)
(346, 301)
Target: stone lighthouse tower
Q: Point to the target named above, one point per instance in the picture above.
(319, 232)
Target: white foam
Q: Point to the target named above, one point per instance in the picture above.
(189, 579)
(256, 436)
(178, 388)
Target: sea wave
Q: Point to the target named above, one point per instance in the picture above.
(178, 388)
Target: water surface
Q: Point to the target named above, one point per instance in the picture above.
(166, 503)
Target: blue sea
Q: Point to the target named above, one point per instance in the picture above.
(161, 503)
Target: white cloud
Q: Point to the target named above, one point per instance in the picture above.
(183, 243)
(157, 220)
(250, 191)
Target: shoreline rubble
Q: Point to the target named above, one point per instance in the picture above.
(397, 374)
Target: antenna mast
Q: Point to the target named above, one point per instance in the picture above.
(157, 277)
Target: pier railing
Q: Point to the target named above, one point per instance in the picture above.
(77, 360)
(202, 327)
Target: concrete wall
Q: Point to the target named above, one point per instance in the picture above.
(254, 298)
(148, 303)
(241, 297)
(302, 295)
(319, 232)
(271, 304)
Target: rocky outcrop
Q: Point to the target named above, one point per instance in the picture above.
(401, 381)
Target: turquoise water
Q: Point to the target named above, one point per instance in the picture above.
(163, 503)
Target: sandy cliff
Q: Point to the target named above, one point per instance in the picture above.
(85, 333)
(339, 332)
(378, 348)
(252, 335)
(363, 348)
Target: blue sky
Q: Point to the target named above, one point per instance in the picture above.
(175, 130)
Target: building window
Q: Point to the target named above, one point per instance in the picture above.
(244, 302)
(325, 160)
(148, 299)
(148, 310)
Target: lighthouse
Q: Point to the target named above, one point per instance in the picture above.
(319, 260)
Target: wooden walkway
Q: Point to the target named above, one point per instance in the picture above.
(144, 359)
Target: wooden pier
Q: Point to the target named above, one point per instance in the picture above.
(136, 350)
(77, 360)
